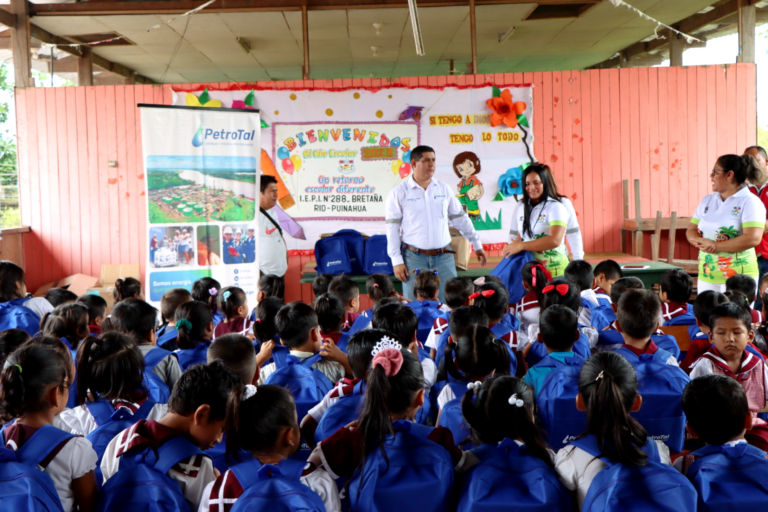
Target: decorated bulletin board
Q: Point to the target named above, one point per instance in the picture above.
(337, 154)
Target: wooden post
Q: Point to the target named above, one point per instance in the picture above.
(656, 238)
(747, 15)
(623, 62)
(85, 67)
(473, 35)
(676, 47)
(625, 197)
(22, 63)
(305, 36)
(672, 235)
(638, 245)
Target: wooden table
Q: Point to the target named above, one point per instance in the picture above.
(649, 272)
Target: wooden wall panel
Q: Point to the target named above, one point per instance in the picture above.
(664, 126)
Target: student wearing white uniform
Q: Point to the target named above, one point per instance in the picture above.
(728, 225)
(418, 212)
(273, 254)
(540, 222)
(572, 230)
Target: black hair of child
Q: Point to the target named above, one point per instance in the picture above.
(477, 353)
(705, 303)
(266, 311)
(321, 283)
(464, 318)
(609, 269)
(272, 286)
(135, 318)
(127, 288)
(170, 302)
(731, 310)
(59, 296)
(237, 354)
(580, 272)
(494, 304)
(235, 298)
(426, 284)
(201, 291)
(716, 408)
(624, 284)
(383, 302)
(541, 279)
(743, 283)
(564, 292)
(199, 316)
(344, 288)
(68, 321)
(638, 313)
(294, 322)
(379, 286)
(97, 306)
(360, 347)
(677, 285)
(330, 313)
(12, 278)
(559, 328)
(203, 384)
(739, 298)
(399, 320)
(10, 340)
(110, 366)
(457, 291)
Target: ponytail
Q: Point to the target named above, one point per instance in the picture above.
(266, 311)
(330, 313)
(492, 298)
(68, 321)
(111, 367)
(29, 373)
(126, 289)
(493, 415)
(478, 354)
(230, 299)
(542, 279)
(206, 290)
(379, 286)
(192, 319)
(608, 386)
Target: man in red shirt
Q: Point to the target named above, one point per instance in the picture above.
(758, 186)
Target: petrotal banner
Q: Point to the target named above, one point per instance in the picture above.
(201, 168)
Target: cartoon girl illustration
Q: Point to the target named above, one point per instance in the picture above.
(466, 165)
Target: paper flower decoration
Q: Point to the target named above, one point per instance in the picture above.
(203, 101)
(249, 103)
(505, 110)
(511, 182)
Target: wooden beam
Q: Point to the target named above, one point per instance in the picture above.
(747, 18)
(7, 18)
(44, 36)
(305, 38)
(473, 35)
(85, 67)
(180, 6)
(22, 60)
(676, 47)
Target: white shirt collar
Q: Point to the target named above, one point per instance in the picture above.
(411, 182)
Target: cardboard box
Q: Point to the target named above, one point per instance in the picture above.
(76, 283)
(106, 283)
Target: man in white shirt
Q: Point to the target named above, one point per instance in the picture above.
(418, 212)
(273, 254)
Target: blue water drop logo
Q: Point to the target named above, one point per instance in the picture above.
(197, 140)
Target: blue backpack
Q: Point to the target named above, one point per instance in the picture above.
(655, 487)
(730, 478)
(686, 318)
(602, 317)
(377, 260)
(427, 311)
(332, 256)
(538, 351)
(355, 248)
(274, 488)
(508, 478)
(15, 315)
(416, 474)
(346, 410)
(167, 339)
(557, 401)
(110, 423)
(452, 418)
(23, 487)
(360, 323)
(192, 356)
(157, 388)
(218, 455)
(307, 385)
(661, 386)
(344, 341)
(510, 271)
(511, 321)
(612, 340)
(147, 470)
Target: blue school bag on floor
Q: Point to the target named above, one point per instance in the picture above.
(661, 386)
(510, 271)
(427, 311)
(274, 488)
(15, 315)
(23, 487)
(346, 410)
(192, 356)
(307, 385)
(655, 487)
(111, 422)
(377, 260)
(508, 478)
(157, 388)
(730, 478)
(452, 418)
(355, 248)
(332, 256)
(557, 401)
(146, 470)
(415, 475)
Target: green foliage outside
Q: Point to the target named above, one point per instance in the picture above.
(164, 179)
(10, 216)
(762, 136)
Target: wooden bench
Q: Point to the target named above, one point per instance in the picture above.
(680, 333)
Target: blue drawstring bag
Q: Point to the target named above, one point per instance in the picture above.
(332, 256)
(376, 259)
(510, 271)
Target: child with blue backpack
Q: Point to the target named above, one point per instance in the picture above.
(456, 292)
(426, 288)
(317, 425)
(493, 298)
(729, 474)
(195, 326)
(206, 290)
(330, 316)
(580, 273)
(616, 459)
(378, 287)
(606, 273)
(69, 323)
(97, 311)
(58, 471)
(169, 304)
(348, 293)
(676, 288)
(264, 324)
(637, 319)
(149, 451)
(233, 303)
(512, 467)
(10, 340)
(263, 422)
(558, 333)
(387, 451)
(460, 322)
(703, 306)
(731, 333)
(136, 319)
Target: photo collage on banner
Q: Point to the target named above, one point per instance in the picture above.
(202, 170)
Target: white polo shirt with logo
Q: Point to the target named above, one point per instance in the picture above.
(273, 254)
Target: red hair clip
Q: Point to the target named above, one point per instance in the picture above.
(562, 289)
(539, 265)
(484, 293)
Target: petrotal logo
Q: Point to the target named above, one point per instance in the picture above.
(333, 263)
(197, 140)
(568, 439)
(380, 263)
(221, 137)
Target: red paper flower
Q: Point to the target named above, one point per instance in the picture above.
(505, 110)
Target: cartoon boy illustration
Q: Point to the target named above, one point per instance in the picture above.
(466, 165)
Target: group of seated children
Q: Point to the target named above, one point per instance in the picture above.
(571, 398)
